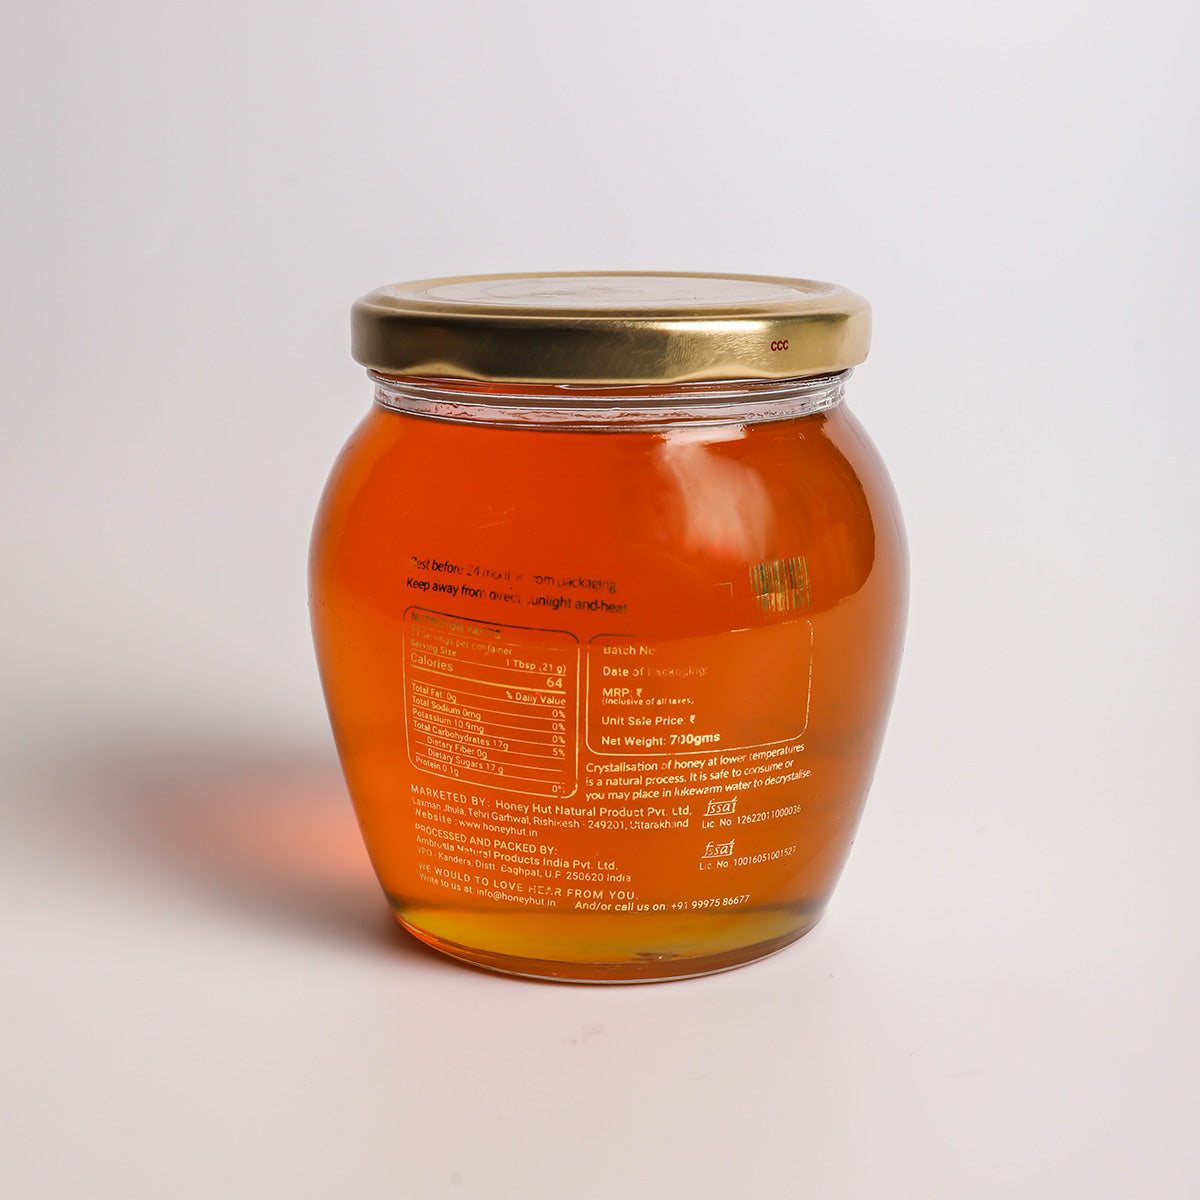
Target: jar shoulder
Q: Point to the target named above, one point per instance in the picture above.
(724, 491)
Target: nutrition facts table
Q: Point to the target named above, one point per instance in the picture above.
(491, 704)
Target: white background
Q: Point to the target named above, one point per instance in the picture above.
(203, 993)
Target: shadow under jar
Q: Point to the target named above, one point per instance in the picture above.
(608, 595)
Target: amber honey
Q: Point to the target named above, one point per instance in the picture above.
(608, 668)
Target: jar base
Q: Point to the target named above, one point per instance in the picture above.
(653, 963)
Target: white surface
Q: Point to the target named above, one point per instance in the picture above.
(203, 995)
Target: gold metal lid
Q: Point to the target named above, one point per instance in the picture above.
(611, 327)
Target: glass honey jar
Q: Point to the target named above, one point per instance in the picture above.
(608, 593)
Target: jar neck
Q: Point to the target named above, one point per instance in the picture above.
(591, 407)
